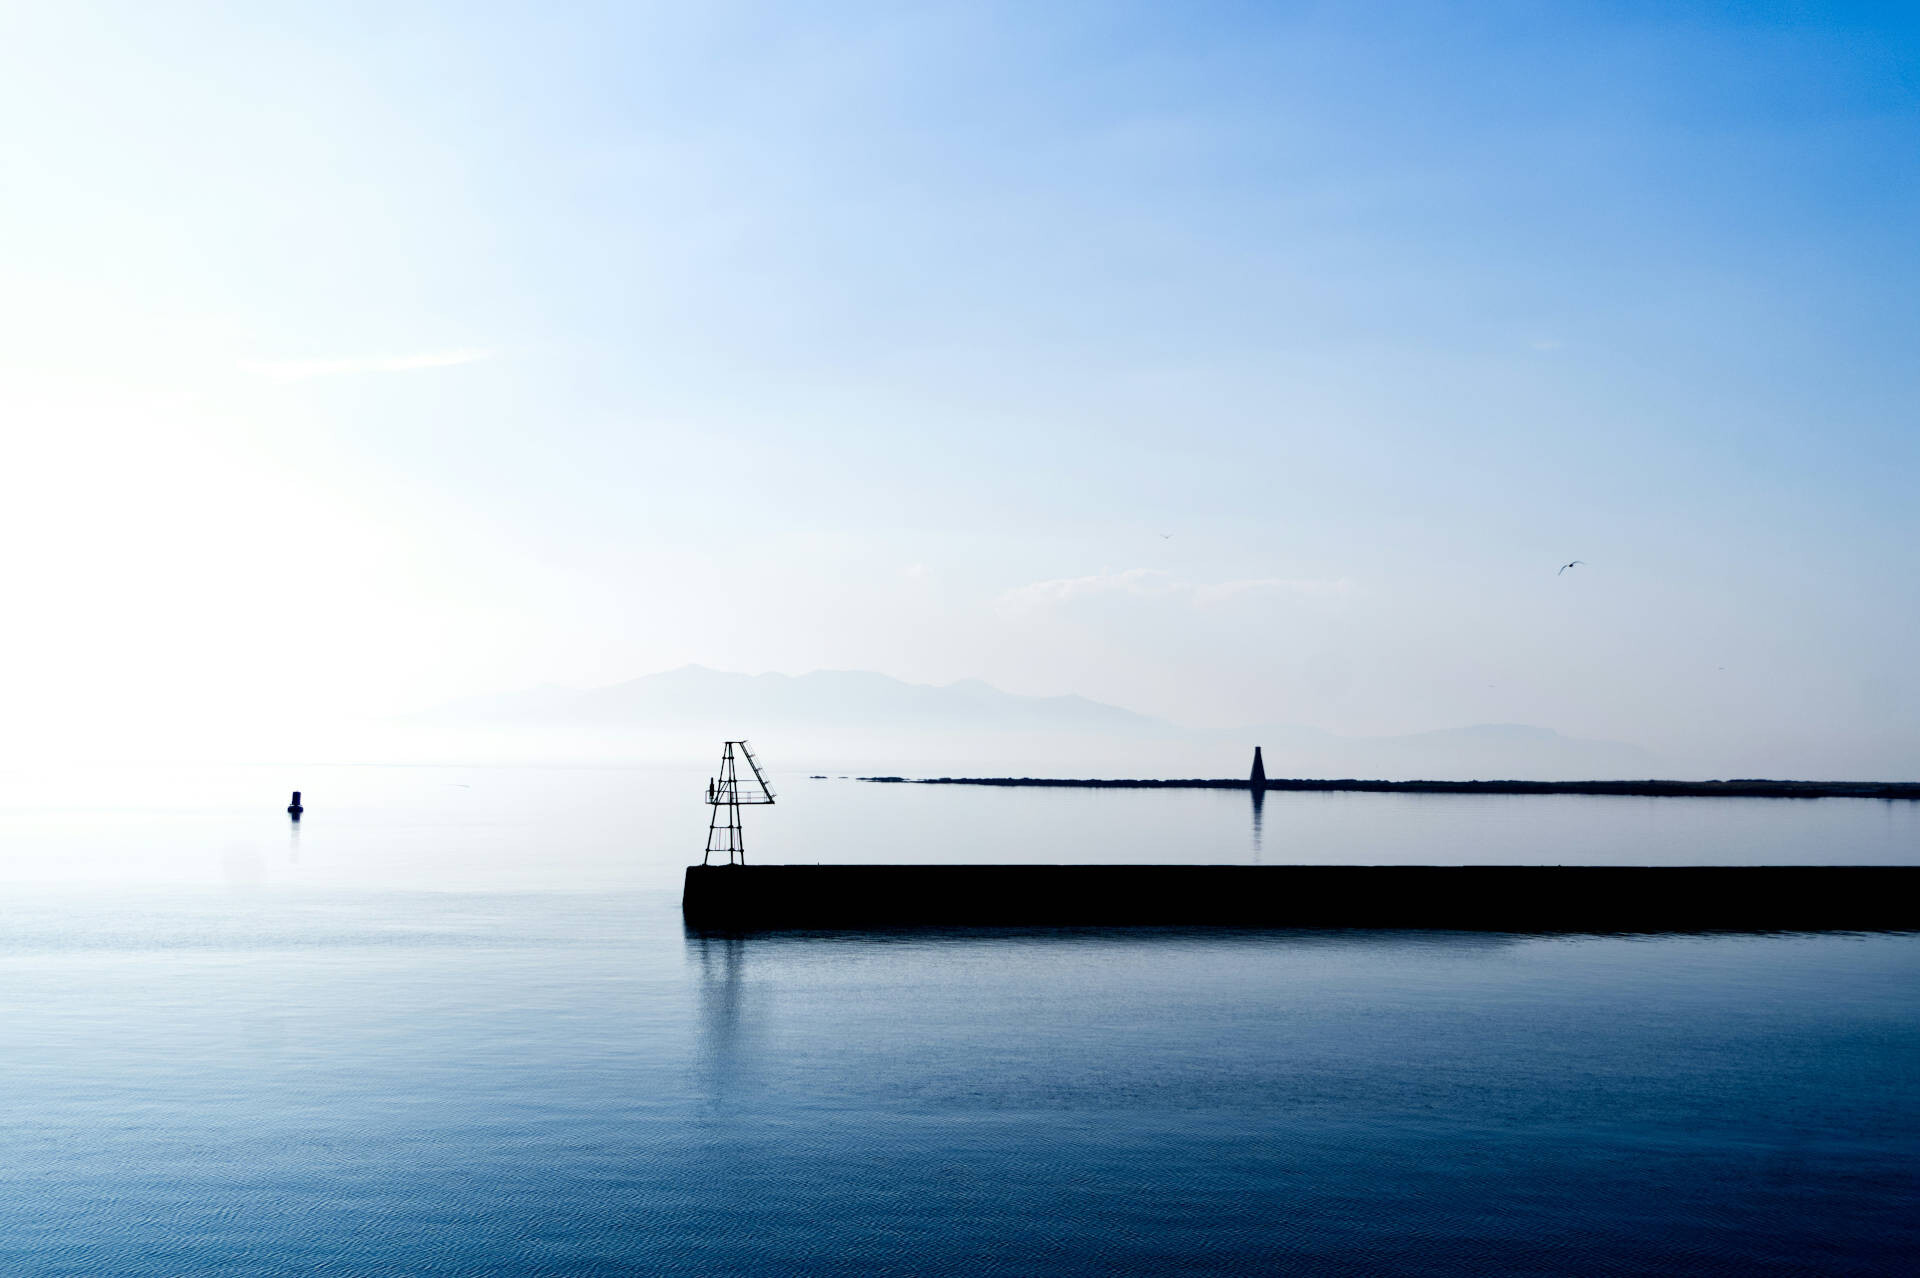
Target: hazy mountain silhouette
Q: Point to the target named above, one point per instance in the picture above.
(855, 714)
(696, 695)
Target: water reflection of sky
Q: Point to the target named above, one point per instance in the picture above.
(445, 1030)
(614, 829)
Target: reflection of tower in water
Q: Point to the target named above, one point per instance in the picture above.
(721, 960)
(1257, 787)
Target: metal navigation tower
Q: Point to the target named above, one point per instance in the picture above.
(723, 794)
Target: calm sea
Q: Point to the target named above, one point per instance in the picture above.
(452, 1025)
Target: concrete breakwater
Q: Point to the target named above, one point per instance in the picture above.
(1465, 898)
(1749, 788)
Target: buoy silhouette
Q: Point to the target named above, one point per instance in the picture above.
(294, 809)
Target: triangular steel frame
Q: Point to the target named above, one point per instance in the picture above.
(723, 795)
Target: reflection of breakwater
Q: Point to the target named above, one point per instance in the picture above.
(1739, 789)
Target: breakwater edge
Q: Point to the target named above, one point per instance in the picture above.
(1509, 898)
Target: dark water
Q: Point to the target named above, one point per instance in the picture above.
(455, 1027)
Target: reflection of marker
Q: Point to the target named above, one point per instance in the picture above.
(294, 809)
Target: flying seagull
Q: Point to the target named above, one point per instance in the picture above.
(1575, 564)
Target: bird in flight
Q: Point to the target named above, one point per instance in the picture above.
(1575, 564)
(1166, 536)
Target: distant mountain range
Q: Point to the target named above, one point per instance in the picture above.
(697, 696)
(853, 714)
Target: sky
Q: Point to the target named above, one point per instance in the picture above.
(1230, 362)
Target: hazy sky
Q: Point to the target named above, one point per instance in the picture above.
(1231, 362)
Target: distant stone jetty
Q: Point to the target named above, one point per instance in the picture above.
(1743, 788)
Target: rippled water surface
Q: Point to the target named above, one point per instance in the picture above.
(453, 1025)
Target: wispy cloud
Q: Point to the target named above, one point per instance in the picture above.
(293, 370)
(1299, 587)
(1134, 581)
(1155, 583)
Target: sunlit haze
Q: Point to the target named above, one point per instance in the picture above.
(1232, 364)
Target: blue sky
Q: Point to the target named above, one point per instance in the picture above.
(572, 342)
